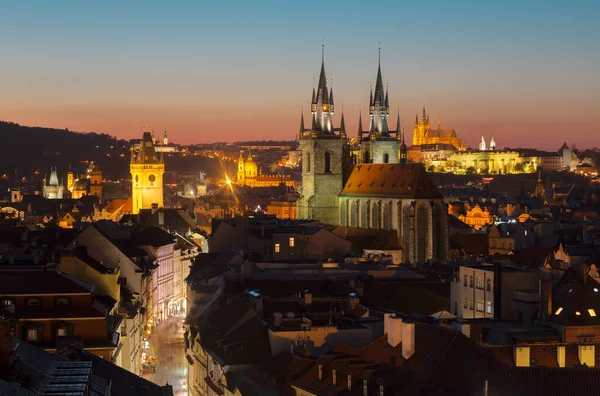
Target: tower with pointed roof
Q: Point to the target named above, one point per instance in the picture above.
(147, 168)
(379, 145)
(165, 139)
(324, 156)
(53, 189)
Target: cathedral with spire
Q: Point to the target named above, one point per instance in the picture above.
(377, 189)
(424, 135)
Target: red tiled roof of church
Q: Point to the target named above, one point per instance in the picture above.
(410, 180)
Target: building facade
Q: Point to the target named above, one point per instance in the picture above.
(53, 189)
(147, 169)
(423, 134)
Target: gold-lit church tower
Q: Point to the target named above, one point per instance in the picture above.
(147, 169)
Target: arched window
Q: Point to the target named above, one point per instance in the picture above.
(422, 234)
(387, 216)
(344, 213)
(327, 162)
(386, 158)
(364, 215)
(354, 214)
(308, 162)
(375, 215)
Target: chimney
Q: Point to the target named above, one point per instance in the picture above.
(277, 319)
(386, 322)
(587, 355)
(522, 356)
(154, 208)
(408, 339)
(561, 355)
(394, 333)
(497, 291)
(307, 297)
(546, 299)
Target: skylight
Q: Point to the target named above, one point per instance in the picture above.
(558, 311)
(570, 290)
(595, 289)
(592, 312)
(577, 313)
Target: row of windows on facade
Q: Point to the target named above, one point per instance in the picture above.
(377, 214)
(480, 305)
(292, 242)
(365, 382)
(37, 302)
(479, 284)
(35, 332)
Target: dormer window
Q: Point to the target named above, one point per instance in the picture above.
(7, 301)
(64, 329)
(34, 302)
(365, 388)
(592, 312)
(320, 371)
(334, 377)
(292, 241)
(62, 301)
(349, 382)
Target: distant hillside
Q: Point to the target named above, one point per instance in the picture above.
(25, 150)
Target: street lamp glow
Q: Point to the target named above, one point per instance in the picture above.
(228, 180)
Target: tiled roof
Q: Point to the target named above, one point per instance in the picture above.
(38, 282)
(390, 180)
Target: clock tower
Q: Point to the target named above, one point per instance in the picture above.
(147, 169)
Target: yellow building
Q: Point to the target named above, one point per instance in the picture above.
(146, 169)
(423, 134)
(477, 217)
(88, 184)
(248, 174)
(489, 161)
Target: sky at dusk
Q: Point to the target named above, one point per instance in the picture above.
(527, 72)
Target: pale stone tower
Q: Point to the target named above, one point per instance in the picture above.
(324, 155)
(147, 170)
(165, 139)
(379, 146)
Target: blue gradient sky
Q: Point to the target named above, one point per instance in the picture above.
(525, 71)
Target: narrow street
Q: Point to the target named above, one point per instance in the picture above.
(167, 342)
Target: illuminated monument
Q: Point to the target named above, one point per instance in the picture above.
(372, 194)
(423, 134)
(146, 170)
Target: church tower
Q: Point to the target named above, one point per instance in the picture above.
(324, 155)
(240, 172)
(421, 130)
(147, 170)
(379, 146)
(165, 139)
(96, 182)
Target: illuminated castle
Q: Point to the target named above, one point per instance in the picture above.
(423, 134)
(147, 169)
(248, 174)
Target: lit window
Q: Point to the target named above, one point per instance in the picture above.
(489, 307)
(595, 290)
(570, 290)
(592, 312)
(577, 313)
(291, 241)
(32, 334)
(276, 248)
(558, 311)
(61, 332)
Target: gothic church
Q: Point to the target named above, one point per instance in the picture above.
(379, 189)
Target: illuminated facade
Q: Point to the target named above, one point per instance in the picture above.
(248, 174)
(477, 217)
(146, 169)
(88, 184)
(53, 189)
(381, 191)
(423, 134)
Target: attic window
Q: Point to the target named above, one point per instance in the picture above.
(558, 311)
(577, 313)
(592, 312)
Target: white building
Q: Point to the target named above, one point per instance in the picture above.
(53, 189)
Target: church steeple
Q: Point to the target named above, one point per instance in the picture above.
(379, 109)
(322, 104)
(399, 135)
(301, 124)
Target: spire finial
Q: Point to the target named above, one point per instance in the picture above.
(379, 50)
(322, 53)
